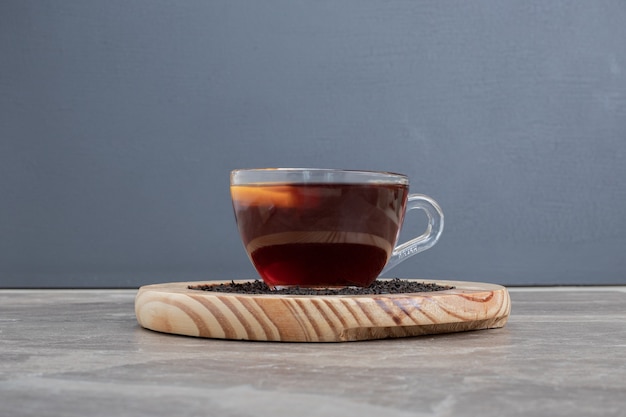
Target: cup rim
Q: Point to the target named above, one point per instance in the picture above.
(315, 175)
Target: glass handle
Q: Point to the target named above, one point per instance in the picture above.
(427, 239)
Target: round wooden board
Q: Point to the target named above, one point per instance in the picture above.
(174, 308)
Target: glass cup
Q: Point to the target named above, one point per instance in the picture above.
(312, 227)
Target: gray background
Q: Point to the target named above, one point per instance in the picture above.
(120, 122)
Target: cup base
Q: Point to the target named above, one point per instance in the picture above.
(312, 287)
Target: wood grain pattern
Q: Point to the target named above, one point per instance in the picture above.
(173, 308)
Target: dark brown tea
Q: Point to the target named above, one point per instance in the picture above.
(319, 234)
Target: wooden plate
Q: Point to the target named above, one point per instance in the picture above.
(174, 308)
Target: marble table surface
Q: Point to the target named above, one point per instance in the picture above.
(81, 353)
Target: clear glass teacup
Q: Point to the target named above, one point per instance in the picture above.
(313, 227)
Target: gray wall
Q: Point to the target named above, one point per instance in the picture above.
(120, 121)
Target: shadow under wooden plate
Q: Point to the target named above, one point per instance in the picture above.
(174, 308)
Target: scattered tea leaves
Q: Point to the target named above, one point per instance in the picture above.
(392, 286)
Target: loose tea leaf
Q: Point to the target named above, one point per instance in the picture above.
(393, 286)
